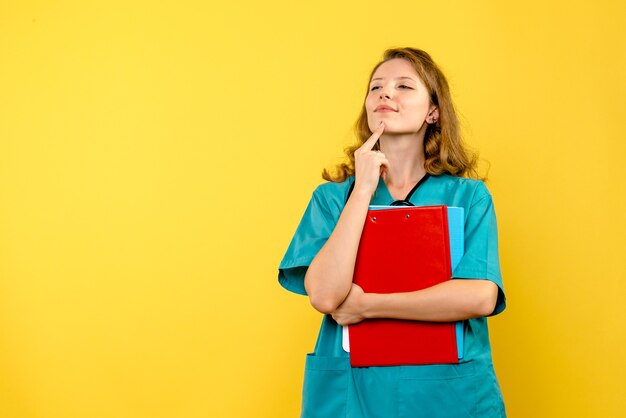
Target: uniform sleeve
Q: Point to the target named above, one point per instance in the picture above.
(480, 259)
(314, 229)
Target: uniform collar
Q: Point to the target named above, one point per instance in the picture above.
(382, 196)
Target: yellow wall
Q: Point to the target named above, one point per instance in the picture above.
(155, 158)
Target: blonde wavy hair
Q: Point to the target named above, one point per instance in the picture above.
(443, 146)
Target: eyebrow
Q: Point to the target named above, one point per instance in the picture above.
(397, 78)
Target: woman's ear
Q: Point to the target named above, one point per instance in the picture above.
(433, 114)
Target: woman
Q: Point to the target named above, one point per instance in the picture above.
(410, 149)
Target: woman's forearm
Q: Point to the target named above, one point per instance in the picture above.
(453, 300)
(329, 277)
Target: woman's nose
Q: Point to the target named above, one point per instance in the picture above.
(385, 92)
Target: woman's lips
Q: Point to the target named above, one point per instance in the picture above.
(384, 109)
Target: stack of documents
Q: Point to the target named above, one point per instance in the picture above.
(404, 249)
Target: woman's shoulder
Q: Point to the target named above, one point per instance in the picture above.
(474, 187)
(331, 197)
(331, 189)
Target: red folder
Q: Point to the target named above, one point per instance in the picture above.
(402, 250)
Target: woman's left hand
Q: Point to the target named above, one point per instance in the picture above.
(352, 308)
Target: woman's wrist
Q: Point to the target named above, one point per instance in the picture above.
(371, 304)
(362, 193)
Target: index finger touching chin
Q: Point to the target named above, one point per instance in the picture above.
(371, 141)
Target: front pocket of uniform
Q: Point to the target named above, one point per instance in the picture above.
(325, 389)
(437, 391)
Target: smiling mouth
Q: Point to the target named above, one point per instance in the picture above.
(384, 109)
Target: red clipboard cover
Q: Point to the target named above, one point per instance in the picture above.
(402, 250)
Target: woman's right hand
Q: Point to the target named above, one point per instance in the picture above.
(369, 164)
(328, 280)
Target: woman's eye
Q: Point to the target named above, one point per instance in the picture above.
(406, 87)
(374, 88)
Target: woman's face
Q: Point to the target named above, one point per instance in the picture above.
(398, 97)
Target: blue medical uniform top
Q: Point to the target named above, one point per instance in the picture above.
(334, 389)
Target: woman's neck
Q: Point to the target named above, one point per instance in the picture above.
(405, 154)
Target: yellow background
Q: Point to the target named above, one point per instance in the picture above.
(156, 157)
